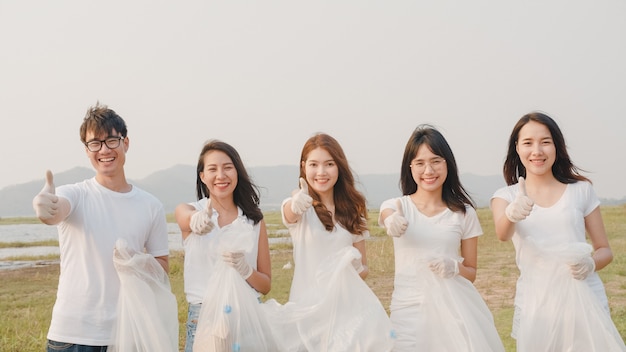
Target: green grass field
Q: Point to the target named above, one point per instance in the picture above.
(27, 295)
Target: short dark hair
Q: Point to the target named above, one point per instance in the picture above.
(102, 120)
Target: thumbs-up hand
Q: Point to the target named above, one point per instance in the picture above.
(301, 200)
(201, 222)
(45, 202)
(396, 223)
(520, 208)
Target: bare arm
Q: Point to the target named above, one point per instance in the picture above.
(289, 215)
(469, 252)
(383, 215)
(261, 278)
(164, 261)
(597, 234)
(183, 213)
(504, 227)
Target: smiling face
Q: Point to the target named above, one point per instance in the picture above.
(219, 174)
(108, 162)
(536, 148)
(428, 169)
(321, 171)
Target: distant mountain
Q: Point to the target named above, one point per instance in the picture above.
(177, 185)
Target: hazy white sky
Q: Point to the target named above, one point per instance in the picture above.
(265, 75)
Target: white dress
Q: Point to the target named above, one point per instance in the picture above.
(330, 307)
(554, 311)
(430, 313)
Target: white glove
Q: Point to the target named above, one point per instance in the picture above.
(201, 222)
(45, 202)
(396, 223)
(445, 267)
(237, 260)
(301, 200)
(583, 268)
(520, 208)
(358, 265)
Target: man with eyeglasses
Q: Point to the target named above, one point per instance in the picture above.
(91, 216)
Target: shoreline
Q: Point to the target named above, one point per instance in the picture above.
(11, 265)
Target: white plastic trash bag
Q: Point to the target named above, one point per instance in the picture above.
(230, 318)
(147, 318)
(560, 313)
(344, 315)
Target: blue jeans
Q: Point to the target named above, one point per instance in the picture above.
(55, 346)
(193, 311)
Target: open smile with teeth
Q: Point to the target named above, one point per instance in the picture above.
(106, 160)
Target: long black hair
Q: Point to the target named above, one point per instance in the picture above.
(563, 169)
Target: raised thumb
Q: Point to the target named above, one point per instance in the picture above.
(522, 187)
(304, 186)
(49, 186)
(399, 207)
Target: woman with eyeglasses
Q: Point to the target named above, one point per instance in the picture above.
(550, 211)
(435, 229)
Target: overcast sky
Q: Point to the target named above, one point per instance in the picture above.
(265, 75)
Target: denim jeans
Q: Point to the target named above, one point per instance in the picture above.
(55, 346)
(192, 322)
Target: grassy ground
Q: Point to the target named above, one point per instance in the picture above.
(27, 295)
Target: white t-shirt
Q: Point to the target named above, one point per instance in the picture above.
(86, 305)
(201, 253)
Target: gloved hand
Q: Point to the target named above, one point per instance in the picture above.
(396, 224)
(301, 201)
(201, 222)
(237, 260)
(583, 268)
(358, 265)
(122, 250)
(45, 202)
(445, 267)
(520, 208)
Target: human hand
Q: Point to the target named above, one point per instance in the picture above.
(358, 265)
(581, 269)
(301, 201)
(237, 260)
(201, 222)
(520, 208)
(396, 224)
(45, 202)
(445, 267)
(122, 251)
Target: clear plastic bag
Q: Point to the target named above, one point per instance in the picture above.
(231, 318)
(147, 318)
(560, 313)
(345, 315)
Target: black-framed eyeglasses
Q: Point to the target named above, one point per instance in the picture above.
(111, 142)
